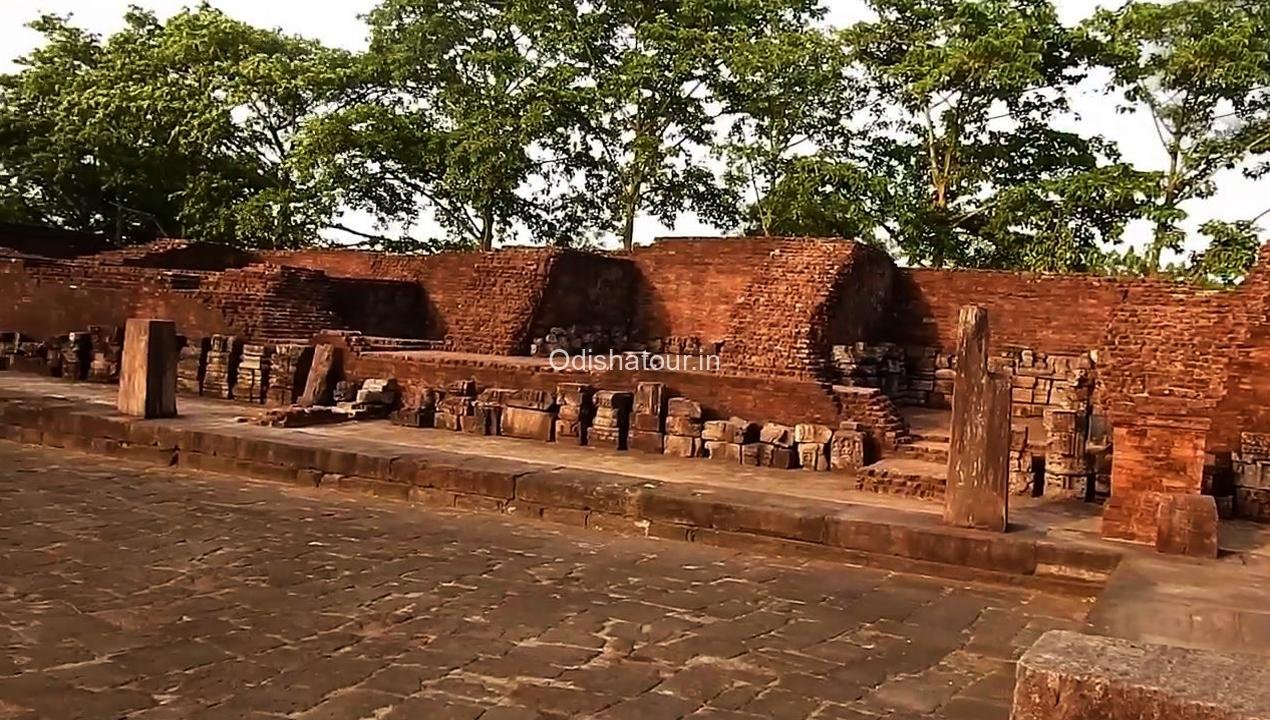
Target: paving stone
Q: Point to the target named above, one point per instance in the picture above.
(217, 597)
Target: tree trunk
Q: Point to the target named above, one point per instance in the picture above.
(487, 230)
(628, 222)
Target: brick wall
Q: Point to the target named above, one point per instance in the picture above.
(688, 287)
(587, 289)
(1047, 313)
(177, 255)
(44, 298)
(806, 296)
(478, 302)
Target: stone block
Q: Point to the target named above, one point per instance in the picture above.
(649, 442)
(813, 456)
(576, 394)
(612, 438)
(1071, 676)
(1252, 504)
(725, 452)
(644, 422)
(1187, 525)
(415, 417)
(530, 399)
(846, 450)
(782, 458)
(614, 399)
(977, 491)
(442, 420)
(462, 388)
(528, 424)
(777, 435)
(683, 426)
(683, 407)
(650, 399)
(684, 446)
(751, 452)
(147, 378)
(812, 433)
(570, 431)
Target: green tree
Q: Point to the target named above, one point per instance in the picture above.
(183, 128)
(1201, 70)
(458, 99)
(791, 100)
(966, 94)
(650, 103)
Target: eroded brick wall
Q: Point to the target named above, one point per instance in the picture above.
(807, 296)
(1046, 313)
(43, 298)
(688, 287)
(487, 302)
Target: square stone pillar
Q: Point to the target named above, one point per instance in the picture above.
(979, 453)
(147, 378)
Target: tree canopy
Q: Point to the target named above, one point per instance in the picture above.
(184, 127)
(941, 129)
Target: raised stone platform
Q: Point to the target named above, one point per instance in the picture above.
(612, 491)
(1070, 676)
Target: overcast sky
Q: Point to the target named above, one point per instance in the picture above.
(335, 22)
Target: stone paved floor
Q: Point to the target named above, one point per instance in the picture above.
(145, 593)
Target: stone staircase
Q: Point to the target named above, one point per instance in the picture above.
(919, 465)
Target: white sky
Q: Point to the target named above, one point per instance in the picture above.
(335, 22)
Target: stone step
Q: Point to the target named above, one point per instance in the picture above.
(933, 451)
(905, 476)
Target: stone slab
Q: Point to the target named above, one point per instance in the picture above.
(1071, 676)
(319, 387)
(528, 424)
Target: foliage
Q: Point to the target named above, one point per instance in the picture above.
(457, 94)
(648, 111)
(186, 127)
(791, 100)
(1201, 70)
(939, 128)
(966, 92)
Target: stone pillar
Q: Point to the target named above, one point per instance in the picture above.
(1066, 469)
(979, 454)
(319, 389)
(147, 377)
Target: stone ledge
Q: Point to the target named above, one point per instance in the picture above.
(1070, 676)
(740, 519)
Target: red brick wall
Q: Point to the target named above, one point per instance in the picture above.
(587, 289)
(1048, 313)
(688, 287)
(50, 298)
(492, 302)
(807, 295)
(1150, 461)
